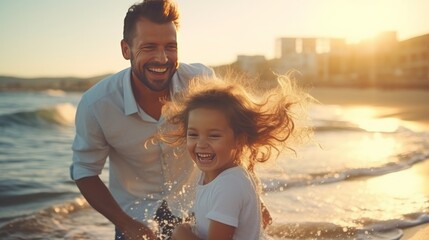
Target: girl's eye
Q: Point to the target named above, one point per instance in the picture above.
(215, 136)
(192, 134)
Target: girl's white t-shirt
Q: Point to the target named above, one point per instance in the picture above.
(232, 199)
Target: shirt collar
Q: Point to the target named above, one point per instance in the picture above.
(130, 103)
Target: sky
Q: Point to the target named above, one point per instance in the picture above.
(80, 38)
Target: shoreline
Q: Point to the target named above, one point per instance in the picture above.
(418, 232)
(409, 105)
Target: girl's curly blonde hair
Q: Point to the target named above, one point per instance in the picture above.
(266, 120)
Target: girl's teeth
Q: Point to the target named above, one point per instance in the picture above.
(205, 156)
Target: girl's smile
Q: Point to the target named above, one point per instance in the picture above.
(211, 141)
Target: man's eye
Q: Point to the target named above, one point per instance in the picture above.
(147, 48)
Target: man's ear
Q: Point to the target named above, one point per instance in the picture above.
(126, 50)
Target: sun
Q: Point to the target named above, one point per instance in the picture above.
(359, 20)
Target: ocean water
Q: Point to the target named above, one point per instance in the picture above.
(360, 178)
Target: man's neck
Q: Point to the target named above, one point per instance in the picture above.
(150, 101)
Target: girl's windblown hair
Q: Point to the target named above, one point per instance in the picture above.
(264, 121)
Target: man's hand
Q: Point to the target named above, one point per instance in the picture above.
(99, 197)
(135, 230)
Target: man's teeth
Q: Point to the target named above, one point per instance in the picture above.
(158, 70)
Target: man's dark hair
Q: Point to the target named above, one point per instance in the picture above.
(157, 11)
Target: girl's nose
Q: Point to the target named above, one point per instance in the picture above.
(202, 143)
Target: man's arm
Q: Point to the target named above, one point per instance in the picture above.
(100, 198)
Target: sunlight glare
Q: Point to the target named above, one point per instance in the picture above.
(380, 125)
(409, 184)
(360, 20)
(375, 148)
(65, 113)
(367, 119)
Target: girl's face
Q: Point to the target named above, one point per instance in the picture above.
(211, 142)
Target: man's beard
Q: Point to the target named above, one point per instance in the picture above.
(157, 86)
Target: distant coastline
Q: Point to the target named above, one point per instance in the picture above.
(265, 76)
(10, 83)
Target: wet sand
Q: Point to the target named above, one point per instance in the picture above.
(410, 106)
(420, 232)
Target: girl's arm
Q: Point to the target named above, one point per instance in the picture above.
(184, 232)
(217, 231)
(220, 231)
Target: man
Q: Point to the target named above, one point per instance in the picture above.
(117, 116)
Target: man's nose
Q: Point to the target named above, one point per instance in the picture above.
(161, 56)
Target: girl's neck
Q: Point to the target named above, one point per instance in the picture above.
(209, 176)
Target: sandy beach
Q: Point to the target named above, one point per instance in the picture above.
(420, 232)
(410, 106)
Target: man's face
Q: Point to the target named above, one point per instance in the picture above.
(153, 54)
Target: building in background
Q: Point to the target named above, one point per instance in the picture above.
(412, 67)
(382, 61)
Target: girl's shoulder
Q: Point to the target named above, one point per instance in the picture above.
(235, 178)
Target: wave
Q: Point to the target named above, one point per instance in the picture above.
(60, 114)
(29, 198)
(44, 224)
(323, 230)
(335, 125)
(376, 125)
(357, 118)
(319, 178)
(77, 220)
(389, 229)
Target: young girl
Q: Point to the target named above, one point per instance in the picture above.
(227, 131)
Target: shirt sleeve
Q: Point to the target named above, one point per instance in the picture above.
(228, 200)
(202, 70)
(90, 148)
